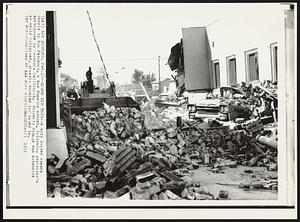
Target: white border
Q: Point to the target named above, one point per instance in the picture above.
(145, 213)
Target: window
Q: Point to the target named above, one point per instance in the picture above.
(274, 62)
(252, 70)
(231, 70)
(216, 73)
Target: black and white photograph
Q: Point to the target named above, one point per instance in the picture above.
(184, 103)
(166, 108)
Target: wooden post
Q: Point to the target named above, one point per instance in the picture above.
(148, 98)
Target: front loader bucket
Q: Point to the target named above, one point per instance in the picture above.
(88, 104)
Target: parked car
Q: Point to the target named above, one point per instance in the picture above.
(227, 106)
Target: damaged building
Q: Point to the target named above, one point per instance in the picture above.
(236, 48)
(236, 51)
(229, 71)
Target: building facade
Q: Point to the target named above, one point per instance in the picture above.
(248, 45)
(168, 86)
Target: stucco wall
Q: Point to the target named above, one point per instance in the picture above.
(243, 30)
(196, 59)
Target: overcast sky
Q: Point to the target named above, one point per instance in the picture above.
(131, 36)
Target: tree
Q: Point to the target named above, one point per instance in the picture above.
(137, 75)
(146, 80)
(152, 78)
(68, 81)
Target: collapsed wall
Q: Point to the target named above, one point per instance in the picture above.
(118, 151)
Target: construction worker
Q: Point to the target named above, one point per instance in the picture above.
(89, 74)
(113, 88)
(89, 82)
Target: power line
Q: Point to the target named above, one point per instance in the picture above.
(120, 59)
(98, 48)
(220, 18)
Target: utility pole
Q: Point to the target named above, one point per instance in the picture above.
(159, 90)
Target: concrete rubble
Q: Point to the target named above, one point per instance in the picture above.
(114, 152)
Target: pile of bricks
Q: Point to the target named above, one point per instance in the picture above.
(113, 153)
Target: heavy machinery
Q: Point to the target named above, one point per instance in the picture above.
(92, 98)
(92, 101)
(96, 99)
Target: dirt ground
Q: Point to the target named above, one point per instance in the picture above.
(236, 175)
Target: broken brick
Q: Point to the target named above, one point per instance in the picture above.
(223, 194)
(95, 156)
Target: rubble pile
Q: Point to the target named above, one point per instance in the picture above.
(114, 153)
(158, 117)
(267, 183)
(261, 98)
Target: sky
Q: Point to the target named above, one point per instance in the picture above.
(131, 36)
